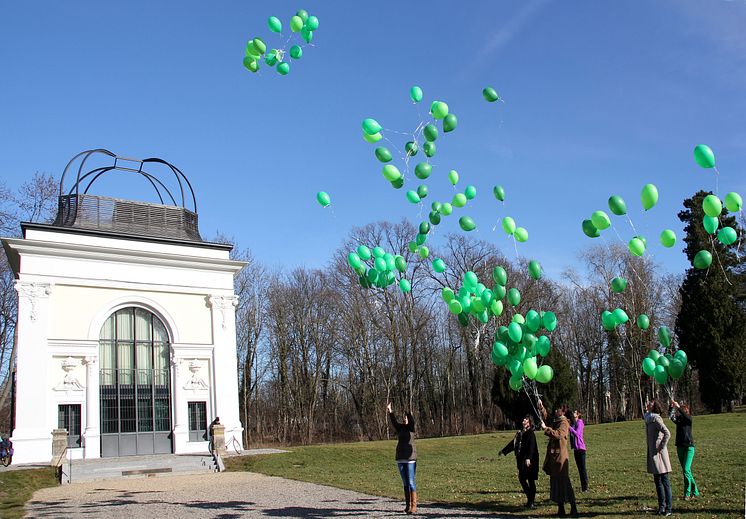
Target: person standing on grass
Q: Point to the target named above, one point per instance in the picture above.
(682, 417)
(659, 464)
(406, 458)
(556, 463)
(577, 441)
(526, 457)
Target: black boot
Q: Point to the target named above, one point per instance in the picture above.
(561, 510)
(573, 509)
(407, 500)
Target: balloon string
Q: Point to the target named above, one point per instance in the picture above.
(715, 250)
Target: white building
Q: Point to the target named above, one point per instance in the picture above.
(126, 324)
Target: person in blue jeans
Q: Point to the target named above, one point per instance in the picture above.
(659, 464)
(406, 457)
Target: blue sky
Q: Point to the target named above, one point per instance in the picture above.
(600, 98)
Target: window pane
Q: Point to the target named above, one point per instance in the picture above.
(144, 355)
(142, 325)
(124, 324)
(108, 330)
(159, 331)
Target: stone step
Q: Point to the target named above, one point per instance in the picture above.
(136, 466)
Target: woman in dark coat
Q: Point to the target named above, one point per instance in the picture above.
(406, 458)
(526, 457)
(682, 417)
(556, 463)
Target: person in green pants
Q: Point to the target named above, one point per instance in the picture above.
(680, 414)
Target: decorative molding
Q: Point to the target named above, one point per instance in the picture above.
(196, 383)
(69, 383)
(223, 303)
(33, 292)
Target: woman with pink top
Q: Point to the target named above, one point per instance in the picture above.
(578, 445)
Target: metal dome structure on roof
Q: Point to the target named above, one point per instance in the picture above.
(174, 218)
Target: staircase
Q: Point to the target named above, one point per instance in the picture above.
(157, 465)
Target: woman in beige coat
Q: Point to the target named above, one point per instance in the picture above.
(659, 464)
(556, 462)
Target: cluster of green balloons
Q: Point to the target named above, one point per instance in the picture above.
(378, 268)
(637, 245)
(256, 49)
(617, 317)
(519, 233)
(664, 366)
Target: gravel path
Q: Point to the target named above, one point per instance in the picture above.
(225, 495)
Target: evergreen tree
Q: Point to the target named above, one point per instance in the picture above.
(711, 324)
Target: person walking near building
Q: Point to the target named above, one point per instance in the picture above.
(406, 458)
(659, 464)
(577, 442)
(556, 462)
(526, 458)
(681, 416)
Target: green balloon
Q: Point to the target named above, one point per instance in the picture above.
(275, 25)
(459, 200)
(312, 23)
(354, 260)
(515, 332)
(496, 307)
(534, 269)
(446, 209)
(430, 132)
(490, 94)
(423, 170)
(271, 58)
(415, 94)
(398, 183)
(649, 196)
(372, 275)
(296, 52)
(702, 260)
(530, 368)
(676, 369)
(733, 202)
(378, 252)
(434, 218)
(251, 64)
(470, 192)
(545, 374)
(668, 238)
(439, 110)
(455, 306)
(600, 220)
(302, 14)
(251, 49)
(429, 148)
(380, 264)
(660, 375)
(704, 156)
(680, 355)
(549, 320)
(712, 206)
(306, 34)
(449, 123)
(608, 320)
(400, 263)
(618, 285)
(499, 193)
(363, 252)
(283, 68)
(516, 382)
(405, 285)
(453, 177)
(422, 191)
(710, 223)
(500, 276)
(620, 316)
(383, 154)
(259, 46)
(521, 234)
(617, 205)
(412, 246)
(508, 225)
(413, 197)
(470, 280)
(727, 236)
(514, 297)
(411, 148)
(424, 252)
(543, 345)
(467, 224)
(477, 306)
(653, 354)
(372, 138)
(664, 336)
(518, 318)
(648, 366)
(533, 320)
(643, 321)
(636, 247)
(391, 172)
(439, 265)
(296, 23)
(447, 294)
(590, 230)
(499, 349)
(371, 126)
(323, 198)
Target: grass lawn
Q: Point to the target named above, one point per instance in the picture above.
(468, 471)
(17, 486)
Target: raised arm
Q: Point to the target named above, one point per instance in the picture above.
(508, 448)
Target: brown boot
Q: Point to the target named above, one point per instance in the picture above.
(407, 500)
(413, 507)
